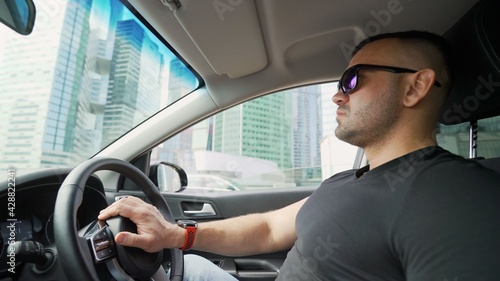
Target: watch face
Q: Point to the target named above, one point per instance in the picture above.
(186, 223)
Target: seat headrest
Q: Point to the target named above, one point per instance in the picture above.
(475, 39)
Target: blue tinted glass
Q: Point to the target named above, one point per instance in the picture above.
(95, 72)
(23, 11)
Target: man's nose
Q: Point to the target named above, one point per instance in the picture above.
(340, 98)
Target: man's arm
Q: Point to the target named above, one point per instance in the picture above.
(245, 235)
(250, 234)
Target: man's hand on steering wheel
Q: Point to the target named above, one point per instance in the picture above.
(83, 251)
(154, 233)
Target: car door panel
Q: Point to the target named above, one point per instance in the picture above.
(258, 267)
(231, 204)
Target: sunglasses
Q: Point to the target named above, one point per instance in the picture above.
(349, 80)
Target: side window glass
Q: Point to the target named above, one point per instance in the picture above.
(455, 138)
(281, 140)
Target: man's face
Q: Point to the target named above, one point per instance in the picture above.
(366, 116)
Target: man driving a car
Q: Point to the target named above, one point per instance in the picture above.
(416, 212)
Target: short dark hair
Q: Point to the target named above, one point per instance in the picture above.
(417, 37)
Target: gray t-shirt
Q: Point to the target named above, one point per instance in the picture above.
(429, 215)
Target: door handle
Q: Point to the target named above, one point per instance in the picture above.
(255, 268)
(206, 210)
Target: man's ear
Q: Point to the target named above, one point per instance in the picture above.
(421, 83)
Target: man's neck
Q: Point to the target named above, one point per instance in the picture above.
(381, 154)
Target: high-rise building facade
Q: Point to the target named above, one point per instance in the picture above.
(246, 130)
(135, 80)
(180, 148)
(307, 133)
(50, 79)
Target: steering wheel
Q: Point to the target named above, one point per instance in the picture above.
(78, 251)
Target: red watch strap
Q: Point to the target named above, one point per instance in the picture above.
(189, 241)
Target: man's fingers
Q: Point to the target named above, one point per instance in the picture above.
(124, 207)
(149, 221)
(134, 240)
(121, 238)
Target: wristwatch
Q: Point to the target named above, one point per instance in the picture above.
(190, 227)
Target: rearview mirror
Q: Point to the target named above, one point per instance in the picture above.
(18, 15)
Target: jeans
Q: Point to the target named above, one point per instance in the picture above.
(197, 268)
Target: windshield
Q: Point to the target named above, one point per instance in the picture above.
(88, 73)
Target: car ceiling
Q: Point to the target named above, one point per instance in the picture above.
(246, 48)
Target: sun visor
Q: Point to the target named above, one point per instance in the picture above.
(476, 42)
(233, 45)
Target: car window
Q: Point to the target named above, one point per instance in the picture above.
(85, 76)
(455, 138)
(284, 139)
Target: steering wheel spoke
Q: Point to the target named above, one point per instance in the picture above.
(100, 241)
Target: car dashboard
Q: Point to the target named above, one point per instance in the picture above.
(29, 208)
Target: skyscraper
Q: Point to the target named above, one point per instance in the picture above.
(179, 149)
(97, 67)
(307, 132)
(134, 84)
(245, 130)
(45, 86)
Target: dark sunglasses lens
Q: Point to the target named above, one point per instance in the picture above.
(349, 80)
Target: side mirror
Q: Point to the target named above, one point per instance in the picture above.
(18, 15)
(168, 176)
